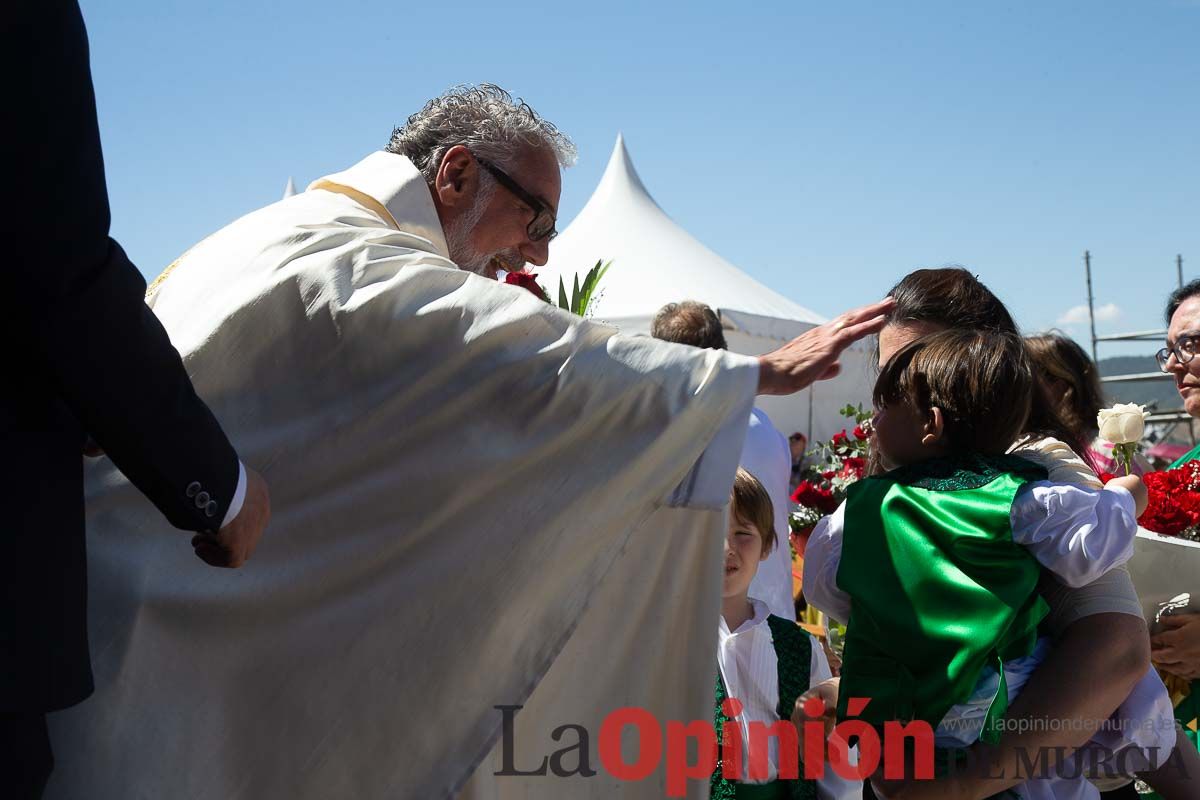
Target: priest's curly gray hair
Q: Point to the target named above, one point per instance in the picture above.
(486, 119)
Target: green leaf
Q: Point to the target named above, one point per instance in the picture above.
(562, 296)
(590, 284)
(575, 296)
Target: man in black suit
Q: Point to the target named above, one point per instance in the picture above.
(83, 356)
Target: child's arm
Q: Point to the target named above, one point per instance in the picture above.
(822, 556)
(1132, 484)
(1076, 533)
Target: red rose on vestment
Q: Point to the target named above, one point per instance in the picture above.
(526, 280)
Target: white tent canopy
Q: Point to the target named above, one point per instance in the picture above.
(655, 262)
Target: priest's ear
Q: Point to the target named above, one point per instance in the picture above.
(935, 427)
(457, 178)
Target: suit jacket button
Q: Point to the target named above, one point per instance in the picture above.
(210, 510)
(202, 500)
(192, 489)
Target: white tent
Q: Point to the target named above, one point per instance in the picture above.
(655, 262)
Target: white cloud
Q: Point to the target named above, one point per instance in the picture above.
(1078, 315)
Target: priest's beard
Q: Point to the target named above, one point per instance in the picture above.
(458, 240)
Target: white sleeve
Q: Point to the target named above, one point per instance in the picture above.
(239, 497)
(822, 556)
(710, 480)
(1075, 532)
(818, 666)
(832, 786)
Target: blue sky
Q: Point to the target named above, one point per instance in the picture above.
(826, 148)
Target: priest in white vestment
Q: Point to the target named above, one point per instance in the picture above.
(479, 501)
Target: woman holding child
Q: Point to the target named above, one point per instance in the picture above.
(951, 405)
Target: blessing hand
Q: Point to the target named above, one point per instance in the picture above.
(813, 356)
(1177, 648)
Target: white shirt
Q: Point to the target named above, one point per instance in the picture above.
(750, 671)
(766, 456)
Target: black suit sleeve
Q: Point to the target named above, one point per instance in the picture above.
(80, 301)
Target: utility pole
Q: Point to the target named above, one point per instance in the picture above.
(1087, 264)
(1179, 269)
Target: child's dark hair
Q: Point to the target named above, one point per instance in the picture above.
(751, 504)
(980, 379)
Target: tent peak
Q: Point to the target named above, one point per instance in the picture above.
(290, 189)
(620, 174)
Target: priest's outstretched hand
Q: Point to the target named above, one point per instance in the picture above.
(813, 356)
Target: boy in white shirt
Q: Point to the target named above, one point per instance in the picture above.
(765, 662)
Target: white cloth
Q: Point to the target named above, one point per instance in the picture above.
(766, 456)
(428, 558)
(750, 670)
(1077, 534)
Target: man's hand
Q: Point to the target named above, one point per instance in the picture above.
(1177, 648)
(813, 356)
(233, 545)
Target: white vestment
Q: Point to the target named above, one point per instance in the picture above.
(478, 500)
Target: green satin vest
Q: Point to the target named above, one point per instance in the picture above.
(938, 588)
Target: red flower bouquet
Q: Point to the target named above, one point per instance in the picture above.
(1174, 507)
(841, 461)
(1174, 501)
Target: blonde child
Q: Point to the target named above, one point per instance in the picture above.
(765, 662)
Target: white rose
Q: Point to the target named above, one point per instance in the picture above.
(1124, 423)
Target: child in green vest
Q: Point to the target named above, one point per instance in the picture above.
(765, 663)
(933, 566)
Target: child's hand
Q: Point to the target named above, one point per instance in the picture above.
(1136, 488)
(827, 692)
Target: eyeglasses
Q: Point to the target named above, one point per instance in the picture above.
(1184, 351)
(542, 225)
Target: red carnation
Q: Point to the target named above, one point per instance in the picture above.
(804, 493)
(853, 467)
(526, 280)
(826, 502)
(860, 434)
(840, 439)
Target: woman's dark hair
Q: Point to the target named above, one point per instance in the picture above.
(1176, 298)
(1061, 358)
(954, 298)
(951, 297)
(980, 379)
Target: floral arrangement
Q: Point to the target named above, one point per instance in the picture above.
(582, 294)
(1174, 505)
(841, 461)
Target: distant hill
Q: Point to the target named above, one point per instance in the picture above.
(1159, 394)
